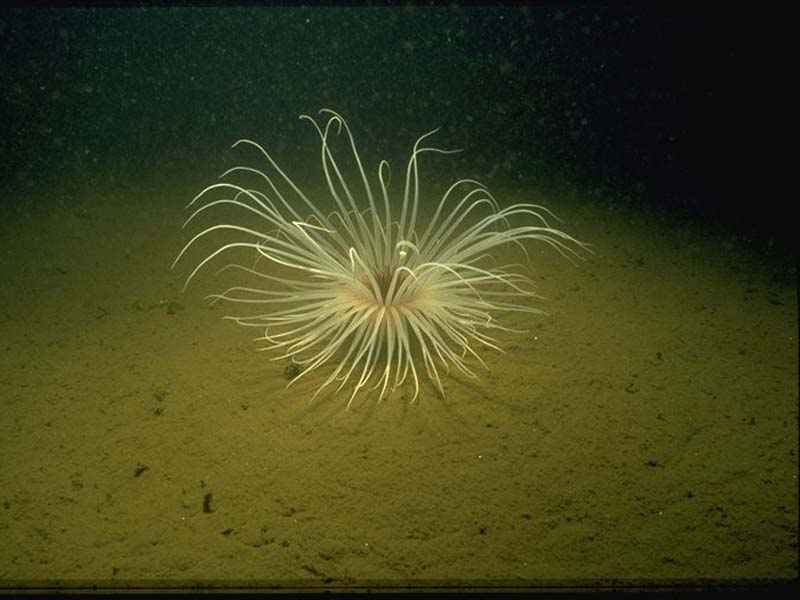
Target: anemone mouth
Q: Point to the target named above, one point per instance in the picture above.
(371, 289)
(383, 278)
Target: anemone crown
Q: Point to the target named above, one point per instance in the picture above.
(371, 288)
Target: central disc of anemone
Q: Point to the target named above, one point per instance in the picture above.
(384, 277)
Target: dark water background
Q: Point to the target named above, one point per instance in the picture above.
(659, 103)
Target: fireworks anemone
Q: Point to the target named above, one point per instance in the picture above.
(368, 288)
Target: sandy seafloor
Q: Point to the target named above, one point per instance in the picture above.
(646, 430)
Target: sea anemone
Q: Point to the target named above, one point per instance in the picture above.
(373, 288)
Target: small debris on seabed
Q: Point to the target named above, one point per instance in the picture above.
(173, 307)
(292, 370)
(207, 503)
